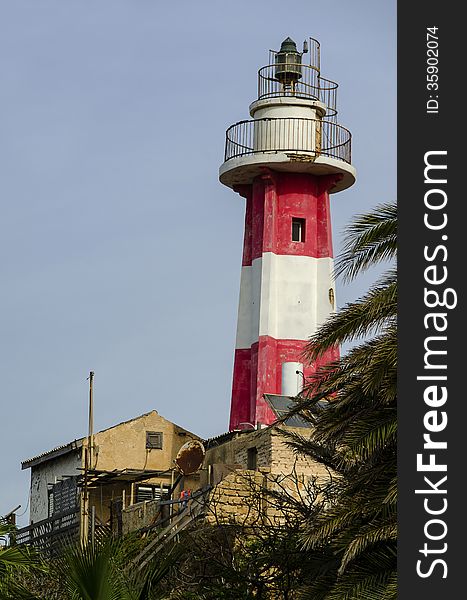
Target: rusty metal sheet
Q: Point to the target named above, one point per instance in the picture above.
(190, 457)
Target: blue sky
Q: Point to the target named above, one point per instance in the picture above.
(120, 250)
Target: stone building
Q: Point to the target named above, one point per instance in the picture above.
(132, 470)
(242, 466)
(239, 469)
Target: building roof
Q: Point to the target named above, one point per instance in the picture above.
(50, 454)
(281, 406)
(225, 437)
(76, 444)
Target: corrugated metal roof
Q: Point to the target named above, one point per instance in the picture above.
(225, 437)
(57, 451)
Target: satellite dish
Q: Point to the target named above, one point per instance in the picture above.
(190, 457)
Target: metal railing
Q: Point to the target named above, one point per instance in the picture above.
(310, 85)
(171, 524)
(288, 134)
(49, 535)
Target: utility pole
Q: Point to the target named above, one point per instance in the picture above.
(88, 458)
(91, 421)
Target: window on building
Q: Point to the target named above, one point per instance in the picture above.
(252, 459)
(150, 492)
(154, 440)
(298, 230)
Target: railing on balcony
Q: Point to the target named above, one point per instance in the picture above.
(49, 535)
(310, 85)
(288, 134)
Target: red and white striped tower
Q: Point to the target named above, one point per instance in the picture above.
(285, 162)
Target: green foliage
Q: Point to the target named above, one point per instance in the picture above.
(229, 562)
(94, 572)
(352, 405)
(15, 563)
(90, 573)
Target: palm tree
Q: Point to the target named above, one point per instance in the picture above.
(98, 571)
(90, 573)
(101, 571)
(351, 541)
(15, 561)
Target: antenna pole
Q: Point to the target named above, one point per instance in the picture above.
(87, 465)
(91, 421)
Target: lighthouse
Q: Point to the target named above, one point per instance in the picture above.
(285, 162)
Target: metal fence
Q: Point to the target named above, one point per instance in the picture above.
(310, 85)
(49, 535)
(288, 134)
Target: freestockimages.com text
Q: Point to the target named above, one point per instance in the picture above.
(438, 300)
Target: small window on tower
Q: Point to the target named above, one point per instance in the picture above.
(298, 230)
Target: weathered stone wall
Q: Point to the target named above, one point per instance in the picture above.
(140, 515)
(242, 495)
(261, 440)
(234, 452)
(285, 461)
(238, 498)
(272, 452)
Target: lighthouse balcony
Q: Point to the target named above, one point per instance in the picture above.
(290, 144)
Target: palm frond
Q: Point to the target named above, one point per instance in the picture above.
(357, 319)
(371, 239)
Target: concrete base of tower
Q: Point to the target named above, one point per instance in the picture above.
(243, 169)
